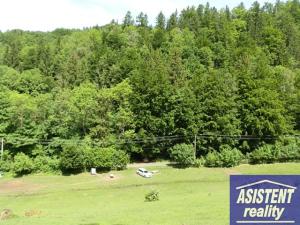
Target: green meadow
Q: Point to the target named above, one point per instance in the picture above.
(193, 196)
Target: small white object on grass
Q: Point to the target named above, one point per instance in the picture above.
(111, 175)
(93, 171)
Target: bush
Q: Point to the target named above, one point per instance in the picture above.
(72, 159)
(227, 157)
(22, 164)
(152, 196)
(290, 152)
(7, 163)
(263, 154)
(109, 158)
(199, 162)
(89, 157)
(183, 154)
(230, 157)
(213, 159)
(275, 153)
(120, 160)
(6, 166)
(103, 158)
(46, 164)
(77, 158)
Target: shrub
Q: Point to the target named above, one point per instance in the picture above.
(263, 154)
(213, 159)
(110, 158)
(84, 157)
(183, 154)
(22, 164)
(7, 162)
(46, 164)
(227, 157)
(290, 152)
(6, 166)
(72, 159)
(120, 160)
(275, 153)
(199, 162)
(103, 158)
(230, 157)
(152, 196)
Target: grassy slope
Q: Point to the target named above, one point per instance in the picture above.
(187, 196)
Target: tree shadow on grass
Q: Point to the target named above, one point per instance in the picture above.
(177, 166)
(70, 172)
(76, 172)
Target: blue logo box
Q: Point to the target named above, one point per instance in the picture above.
(264, 199)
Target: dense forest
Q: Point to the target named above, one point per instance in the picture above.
(203, 76)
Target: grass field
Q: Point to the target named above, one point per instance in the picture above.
(187, 196)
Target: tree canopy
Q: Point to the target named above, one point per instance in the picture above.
(216, 74)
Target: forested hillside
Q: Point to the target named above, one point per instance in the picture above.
(228, 77)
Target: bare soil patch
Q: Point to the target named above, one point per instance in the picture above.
(109, 178)
(18, 186)
(31, 213)
(6, 214)
(232, 172)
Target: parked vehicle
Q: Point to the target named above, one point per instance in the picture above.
(144, 173)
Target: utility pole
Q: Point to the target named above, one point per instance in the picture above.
(195, 145)
(2, 148)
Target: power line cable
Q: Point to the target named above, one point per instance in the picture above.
(158, 139)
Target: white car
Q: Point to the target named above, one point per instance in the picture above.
(144, 173)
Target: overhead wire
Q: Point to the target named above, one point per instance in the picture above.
(159, 139)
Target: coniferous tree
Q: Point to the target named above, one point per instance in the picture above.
(161, 21)
(128, 19)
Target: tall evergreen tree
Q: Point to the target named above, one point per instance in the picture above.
(128, 19)
(161, 21)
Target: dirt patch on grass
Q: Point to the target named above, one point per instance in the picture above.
(18, 186)
(232, 172)
(6, 214)
(32, 213)
(111, 177)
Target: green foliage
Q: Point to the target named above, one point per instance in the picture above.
(6, 166)
(290, 152)
(109, 158)
(72, 158)
(120, 160)
(262, 110)
(143, 89)
(178, 193)
(230, 157)
(200, 162)
(212, 159)
(7, 162)
(183, 154)
(152, 196)
(128, 20)
(82, 104)
(46, 164)
(78, 157)
(264, 154)
(275, 153)
(227, 157)
(22, 164)
(217, 109)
